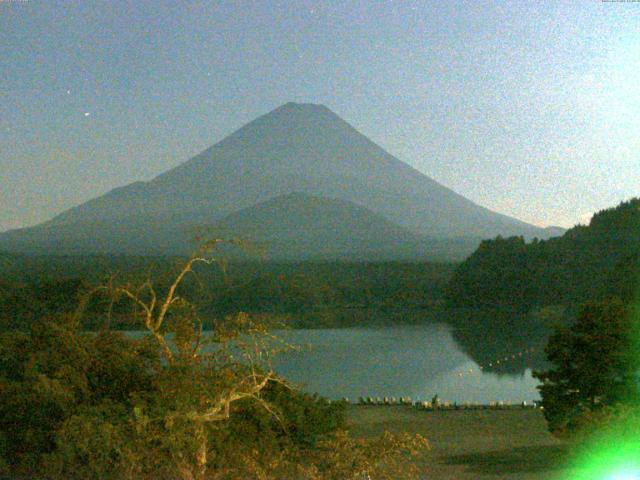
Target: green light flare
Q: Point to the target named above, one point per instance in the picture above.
(613, 451)
(625, 474)
(614, 455)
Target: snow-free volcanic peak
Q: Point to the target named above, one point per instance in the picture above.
(298, 147)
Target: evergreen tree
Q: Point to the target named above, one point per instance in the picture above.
(594, 366)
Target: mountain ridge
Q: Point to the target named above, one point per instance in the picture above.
(295, 148)
(300, 226)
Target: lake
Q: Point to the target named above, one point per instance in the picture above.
(416, 361)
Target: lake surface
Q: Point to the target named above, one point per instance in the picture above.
(416, 361)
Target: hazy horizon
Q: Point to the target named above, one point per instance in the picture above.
(530, 110)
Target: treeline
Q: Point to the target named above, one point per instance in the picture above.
(172, 404)
(300, 294)
(295, 287)
(586, 263)
(22, 303)
(512, 293)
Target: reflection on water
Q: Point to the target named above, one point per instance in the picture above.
(411, 360)
(415, 361)
(503, 340)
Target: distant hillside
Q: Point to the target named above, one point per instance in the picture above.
(302, 227)
(295, 148)
(291, 227)
(586, 263)
(553, 231)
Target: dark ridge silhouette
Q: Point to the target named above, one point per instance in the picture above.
(589, 262)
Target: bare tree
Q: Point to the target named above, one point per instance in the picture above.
(203, 375)
(238, 350)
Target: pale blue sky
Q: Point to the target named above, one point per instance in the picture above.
(531, 108)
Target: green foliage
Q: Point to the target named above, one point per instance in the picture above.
(510, 292)
(77, 405)
(180, 402)
(594, 366)
(497, 274)
(92, 443)
(322, 294)
(306, 418)
(99, 406)
(52, 373)
(21, 303)
(581, 265)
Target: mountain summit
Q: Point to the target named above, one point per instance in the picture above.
(302, 148)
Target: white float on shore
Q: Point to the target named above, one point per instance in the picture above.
(444, 405)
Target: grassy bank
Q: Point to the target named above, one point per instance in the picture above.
(475, 444)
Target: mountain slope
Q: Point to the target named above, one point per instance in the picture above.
(290, 227)
(295, 148)
(299, 226)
